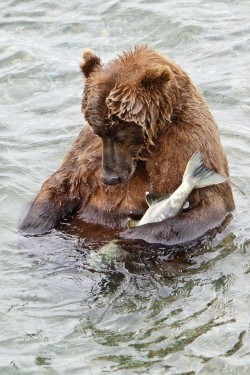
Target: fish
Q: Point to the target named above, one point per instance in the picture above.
(161, 207)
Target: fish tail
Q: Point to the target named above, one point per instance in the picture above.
(199, 175)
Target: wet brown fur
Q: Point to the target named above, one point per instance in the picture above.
(146, 94)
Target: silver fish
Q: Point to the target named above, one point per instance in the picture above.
(196, 176)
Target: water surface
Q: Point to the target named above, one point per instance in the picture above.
(69, 306)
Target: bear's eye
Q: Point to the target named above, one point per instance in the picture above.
(120, 137)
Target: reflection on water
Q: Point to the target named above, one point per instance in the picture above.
(73, 304)
(138, 309)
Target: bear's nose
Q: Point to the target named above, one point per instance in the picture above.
(112, 180)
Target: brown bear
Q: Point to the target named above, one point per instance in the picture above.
(145, 119)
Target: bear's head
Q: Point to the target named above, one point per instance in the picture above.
(128, 102)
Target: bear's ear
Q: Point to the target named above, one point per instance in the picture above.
(91, 62)
(155, 75)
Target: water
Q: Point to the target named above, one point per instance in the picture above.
(67, 307)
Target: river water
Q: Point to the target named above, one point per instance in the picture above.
(69, 305)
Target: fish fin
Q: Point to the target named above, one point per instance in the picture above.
(132, 223)
(154, 198)
(199, 175)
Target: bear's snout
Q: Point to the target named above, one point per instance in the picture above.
(111, 180)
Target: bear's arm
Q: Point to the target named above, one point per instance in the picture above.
(49, 207)
(185, 227)
(63, 191)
